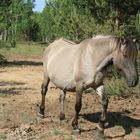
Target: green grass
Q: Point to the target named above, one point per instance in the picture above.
(69, 138)
(118, 86)
(138, 134)
(2, 136)
(3, 95)
(56, 132)
(33, 49)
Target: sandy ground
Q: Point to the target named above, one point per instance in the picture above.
(20, 100)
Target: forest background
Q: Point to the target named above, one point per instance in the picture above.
(72, 19)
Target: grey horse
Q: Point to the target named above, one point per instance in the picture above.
(76, 67)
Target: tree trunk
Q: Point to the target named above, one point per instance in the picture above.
(5, 35)
(117, 20)
(117, 23)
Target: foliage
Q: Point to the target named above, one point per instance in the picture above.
(16, 21)
(138, 21)
(80, 19)
(2, 58)
(75, 20)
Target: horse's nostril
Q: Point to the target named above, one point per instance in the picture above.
(132, 83)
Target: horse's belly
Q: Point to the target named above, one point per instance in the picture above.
(64, 85)
(62, 81)
(60, 70)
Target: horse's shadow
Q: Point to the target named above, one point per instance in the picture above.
(115, 119)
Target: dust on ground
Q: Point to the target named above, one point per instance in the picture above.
(19, 104)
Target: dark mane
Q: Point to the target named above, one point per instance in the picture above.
(118, 41)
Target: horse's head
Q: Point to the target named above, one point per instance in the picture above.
(124, 59)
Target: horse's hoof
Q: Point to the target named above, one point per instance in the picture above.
(40, 115)
(76, 131)
(62, 116)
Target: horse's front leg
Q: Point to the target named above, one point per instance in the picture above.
(103, 119)
(78, 105)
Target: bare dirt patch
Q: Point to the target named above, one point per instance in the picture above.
(19, 105)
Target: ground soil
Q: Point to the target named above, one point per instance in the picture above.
(19, 105)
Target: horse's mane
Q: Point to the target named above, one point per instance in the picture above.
(115, 39)
(115, 42)
(101, 36)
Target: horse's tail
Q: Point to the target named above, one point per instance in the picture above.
(45, 62)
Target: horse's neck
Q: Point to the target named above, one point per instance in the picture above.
(107, 59)
(102, 52)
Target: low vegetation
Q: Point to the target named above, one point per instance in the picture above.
(118, 86)
(30, 49)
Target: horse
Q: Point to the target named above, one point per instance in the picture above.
(77, 67)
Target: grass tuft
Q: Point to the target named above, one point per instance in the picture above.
(69, 138)
(56, 132)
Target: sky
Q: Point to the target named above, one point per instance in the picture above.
(39, 5)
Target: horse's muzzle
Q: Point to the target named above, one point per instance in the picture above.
(132, 82)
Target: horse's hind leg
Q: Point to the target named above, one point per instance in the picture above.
(62, 101)
(44, 89)
(78, 105)
(103, 119)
